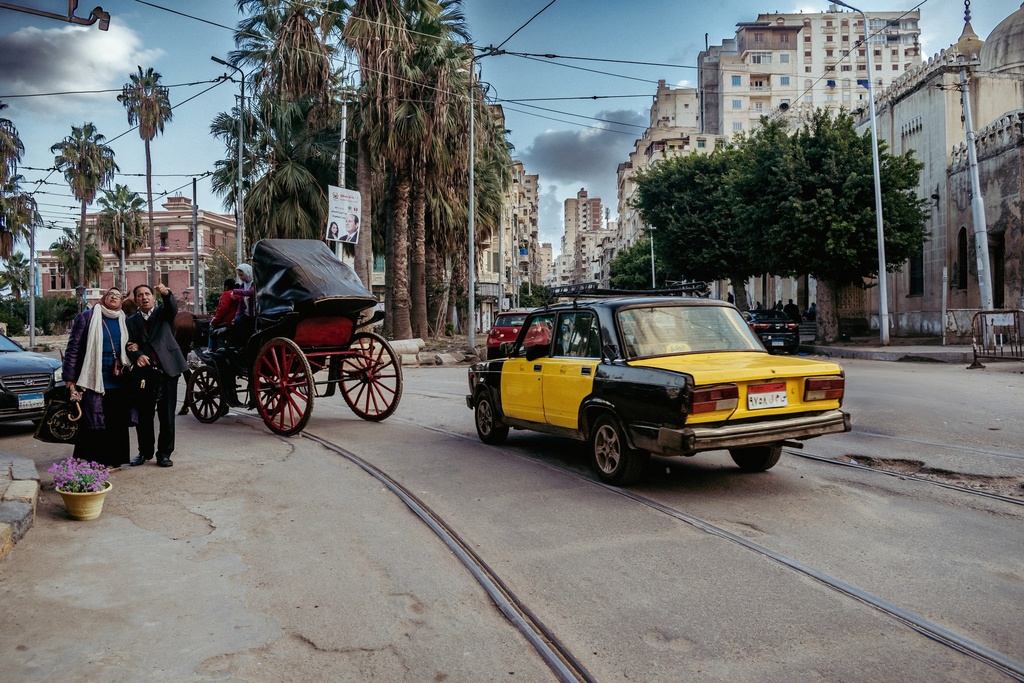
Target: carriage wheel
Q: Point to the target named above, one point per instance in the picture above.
(205, 395)
(371, 377)
(283, 386)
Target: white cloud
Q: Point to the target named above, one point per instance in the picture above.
(69, 59)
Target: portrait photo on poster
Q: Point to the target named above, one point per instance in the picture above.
(351, 228)
(333, 232)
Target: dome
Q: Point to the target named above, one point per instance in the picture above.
(1004, 49)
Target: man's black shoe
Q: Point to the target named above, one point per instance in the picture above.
(164, 462)
(139, 460)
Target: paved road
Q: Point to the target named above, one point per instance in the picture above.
(267, 559)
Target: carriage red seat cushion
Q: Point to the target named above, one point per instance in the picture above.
(324, 331)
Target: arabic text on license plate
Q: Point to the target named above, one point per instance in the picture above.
(26, 401)
(760, 396)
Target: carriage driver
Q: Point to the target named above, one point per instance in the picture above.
(157, 356)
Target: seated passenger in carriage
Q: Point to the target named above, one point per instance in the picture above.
(244, 323)
(227, 309)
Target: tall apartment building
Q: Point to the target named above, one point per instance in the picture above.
(673, 130)
(813, 60)
(582, 214)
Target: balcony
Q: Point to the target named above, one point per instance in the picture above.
(488, 291)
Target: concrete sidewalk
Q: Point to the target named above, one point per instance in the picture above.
(894, 352)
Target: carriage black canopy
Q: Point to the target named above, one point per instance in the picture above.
(305, 277)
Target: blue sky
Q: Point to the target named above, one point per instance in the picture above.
(40, 55)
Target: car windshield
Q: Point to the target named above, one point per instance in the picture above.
(9, 345)
(510, 320)
(661, 330)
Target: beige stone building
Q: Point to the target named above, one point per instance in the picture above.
(923, 111)
(583, 216)
(812, 59)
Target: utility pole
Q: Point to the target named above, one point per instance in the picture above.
(977, 201)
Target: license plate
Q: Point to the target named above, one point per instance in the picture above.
(27, 401)
(761, 396)
(778, 342)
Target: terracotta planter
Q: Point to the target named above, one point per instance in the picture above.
(85, 506)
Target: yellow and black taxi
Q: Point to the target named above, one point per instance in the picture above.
(670, 375)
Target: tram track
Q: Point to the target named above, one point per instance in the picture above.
(1005, 664)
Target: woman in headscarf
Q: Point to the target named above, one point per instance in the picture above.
(244, 323)
(94, 363)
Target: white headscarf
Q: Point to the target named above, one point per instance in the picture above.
(246, 305)
(90, 376)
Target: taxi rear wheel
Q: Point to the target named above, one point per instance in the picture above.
(615, 462)
(488, 428)
(756, 458)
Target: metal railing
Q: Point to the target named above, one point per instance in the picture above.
(997, 335)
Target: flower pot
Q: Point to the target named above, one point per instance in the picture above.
(85, 505)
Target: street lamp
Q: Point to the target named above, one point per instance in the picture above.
(883, 295)
(239, 199)
(471, 277)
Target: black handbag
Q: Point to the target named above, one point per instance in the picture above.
(60, 422)
(144, 382)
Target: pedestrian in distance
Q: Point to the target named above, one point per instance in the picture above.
(245, 317)
(812, 312)
(793, 311)
(94, 365)
(157, 357)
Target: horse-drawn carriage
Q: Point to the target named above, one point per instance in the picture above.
(308, 306)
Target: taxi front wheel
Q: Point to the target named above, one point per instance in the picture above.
(488, 428)
(756, 458)
(616, 463)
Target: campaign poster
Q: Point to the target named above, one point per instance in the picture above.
(343, 216)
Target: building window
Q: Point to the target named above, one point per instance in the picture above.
(808, 83)
(845, 39)
(917, 273)
(784, 58)
(895, 67)
(808, 70)
(761, 58)
(846, 67)
(960, 267)
(830, 53)
(784, 38)
(878, 67)
(807, 54)
(828, 39)
(830, 97)
(737, 126)
(701, 143)
(737, 104)
(758, 37)
(783, 80)
(737, 80)
(165, 274)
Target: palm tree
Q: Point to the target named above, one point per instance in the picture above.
(120, 223)
(66, 249)
(11, 148)
(17, 275)
(88, 165)
(149, 106)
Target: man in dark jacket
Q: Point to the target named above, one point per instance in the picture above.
(156, 354)
(793, 311)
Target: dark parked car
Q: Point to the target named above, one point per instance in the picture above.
(636, 375)
(775, 329)
(24, 378)
(506, 329)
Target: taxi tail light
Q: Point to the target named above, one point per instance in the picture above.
(824, 388)
(710, 399)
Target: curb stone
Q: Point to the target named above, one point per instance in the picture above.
(19, 495)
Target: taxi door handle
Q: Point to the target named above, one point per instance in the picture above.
(537, 367)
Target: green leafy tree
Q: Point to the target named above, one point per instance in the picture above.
(148, 105)
(120, 221)
(631, 267)
(88, 165)
(690, 202)
(808, 200)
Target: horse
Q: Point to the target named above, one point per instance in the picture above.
(187, 333)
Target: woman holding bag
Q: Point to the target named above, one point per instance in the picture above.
(94, 365)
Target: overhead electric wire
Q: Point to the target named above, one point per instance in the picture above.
(582, 116)
(573, 123)
(548, 55)
(94, 92)
(526, 24)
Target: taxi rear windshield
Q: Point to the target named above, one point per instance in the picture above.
(665, 330)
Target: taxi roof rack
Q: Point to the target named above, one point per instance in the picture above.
(592, 290)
